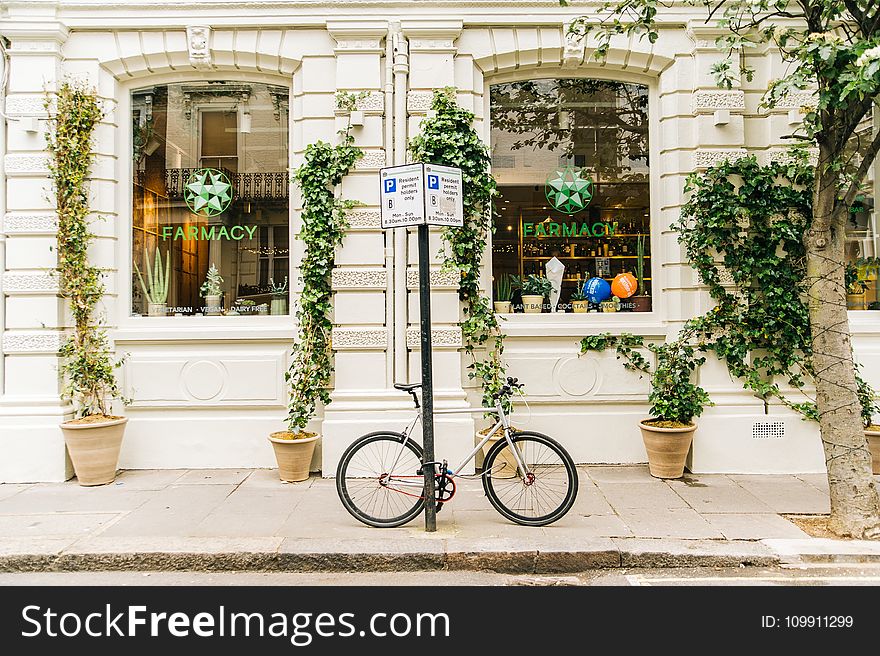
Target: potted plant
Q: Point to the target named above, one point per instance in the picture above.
(675, 400)
(579, 302)
(94, 436)
(279, 297)
(534, 290)
(156, 288)
(641, 301)
(856, 287)
(870, 408)
(212, 290)
(503, 293)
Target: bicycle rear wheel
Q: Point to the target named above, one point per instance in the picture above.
(540, 497)
(379, 481)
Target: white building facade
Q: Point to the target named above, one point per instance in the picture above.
(241, 88)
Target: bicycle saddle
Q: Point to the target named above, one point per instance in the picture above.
(407, 387)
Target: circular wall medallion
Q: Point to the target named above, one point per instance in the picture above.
(207, 192)
(576, 376)
(203, 380)
(568, 191)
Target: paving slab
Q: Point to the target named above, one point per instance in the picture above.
(646, 495)
(734, 526)
(668, 523)
(57, 524)
(9, 489)
(719, 496)
(825, 550)
(148, 479)
(70, 497)
(617, 474)
(213, 477)
(785, 494)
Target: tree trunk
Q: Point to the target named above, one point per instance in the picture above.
(855, 506)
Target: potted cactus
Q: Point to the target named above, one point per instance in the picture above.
(579, 302)
(641, 301)
(212, 290)
(279, 297)
(534, 290)
(156, 287)
(503, 293)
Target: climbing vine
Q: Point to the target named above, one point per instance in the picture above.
(87, 365)
(449, 139)
(323, 228)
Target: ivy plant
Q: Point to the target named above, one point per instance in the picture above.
(449, 139)
(87, 364)
(323, 228)
(674, 399)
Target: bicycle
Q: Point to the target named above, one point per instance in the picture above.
(528, 477)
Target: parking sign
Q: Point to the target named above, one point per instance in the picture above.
(416, 194)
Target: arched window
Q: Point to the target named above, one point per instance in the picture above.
(210, 223)
(571, 160)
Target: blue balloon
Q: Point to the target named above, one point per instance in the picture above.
(597, 290)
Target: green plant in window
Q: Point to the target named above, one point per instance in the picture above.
(449, 139)
(87, 365)
(578, 293)
(156, 286)
(537, 286)
(640, 263)
(504, 287)
(324, 223)
(213, 285)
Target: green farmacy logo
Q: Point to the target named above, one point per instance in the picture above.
(208, 192)
(567, 191)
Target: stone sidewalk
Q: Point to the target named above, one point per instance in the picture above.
(248, 519)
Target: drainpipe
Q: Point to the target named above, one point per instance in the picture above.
(4, 76)
(389, 234)
(401, 73)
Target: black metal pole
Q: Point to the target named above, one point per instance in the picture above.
(427, 380)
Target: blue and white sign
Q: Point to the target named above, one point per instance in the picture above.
(416, 194)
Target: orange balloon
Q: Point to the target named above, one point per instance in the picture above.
(624, 285)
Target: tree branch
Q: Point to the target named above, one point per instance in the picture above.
(867, 162)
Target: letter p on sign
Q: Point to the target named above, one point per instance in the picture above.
(390, 185)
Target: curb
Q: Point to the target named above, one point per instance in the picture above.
(494, 556)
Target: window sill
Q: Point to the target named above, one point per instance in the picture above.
(192, 329)
(569, 324)
(864, 322)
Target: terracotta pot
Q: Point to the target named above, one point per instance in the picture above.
(94, 449)
(532, 303)
(667, 449)
(641, 303)
(293, 456)
(874, 447)
(579, 307)
(213, 308)
(502, 307)
(508, 470)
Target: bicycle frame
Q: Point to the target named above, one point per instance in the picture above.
(502, 423)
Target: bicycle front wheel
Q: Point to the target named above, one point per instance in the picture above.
(536, 497)
(379, 480)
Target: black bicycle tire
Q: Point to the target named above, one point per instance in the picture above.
(344, 497)
(544, 520)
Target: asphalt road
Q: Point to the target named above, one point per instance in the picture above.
(814, 575)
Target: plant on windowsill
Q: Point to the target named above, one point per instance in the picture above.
(503, 292)
(579, 302)
(279, 297)
(641, 301)
(156, 287)
(87, 366)
(856, 287)
(323, 228)
(674, 399)
(534, 290)
(212, 290)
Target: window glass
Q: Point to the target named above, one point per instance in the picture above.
(862, 239)
(210, 224)
(571, 160)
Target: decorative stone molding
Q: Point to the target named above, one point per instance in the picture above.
(29, 283)
(359, 278)
(796, 100)
(359, 338)
(440, 279)
(26, 164)
(372, 103)
(419, 102)
(574, 50)
(725, 277)
(372, 159)
(33, 342)
(30, 224)
(783, 156)
(198, 39)
(432, 45)
(347, 45)
(357, 36)
(364, 219)
(440, 338)
(705, 157)
(26, 105)
(707, 102)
